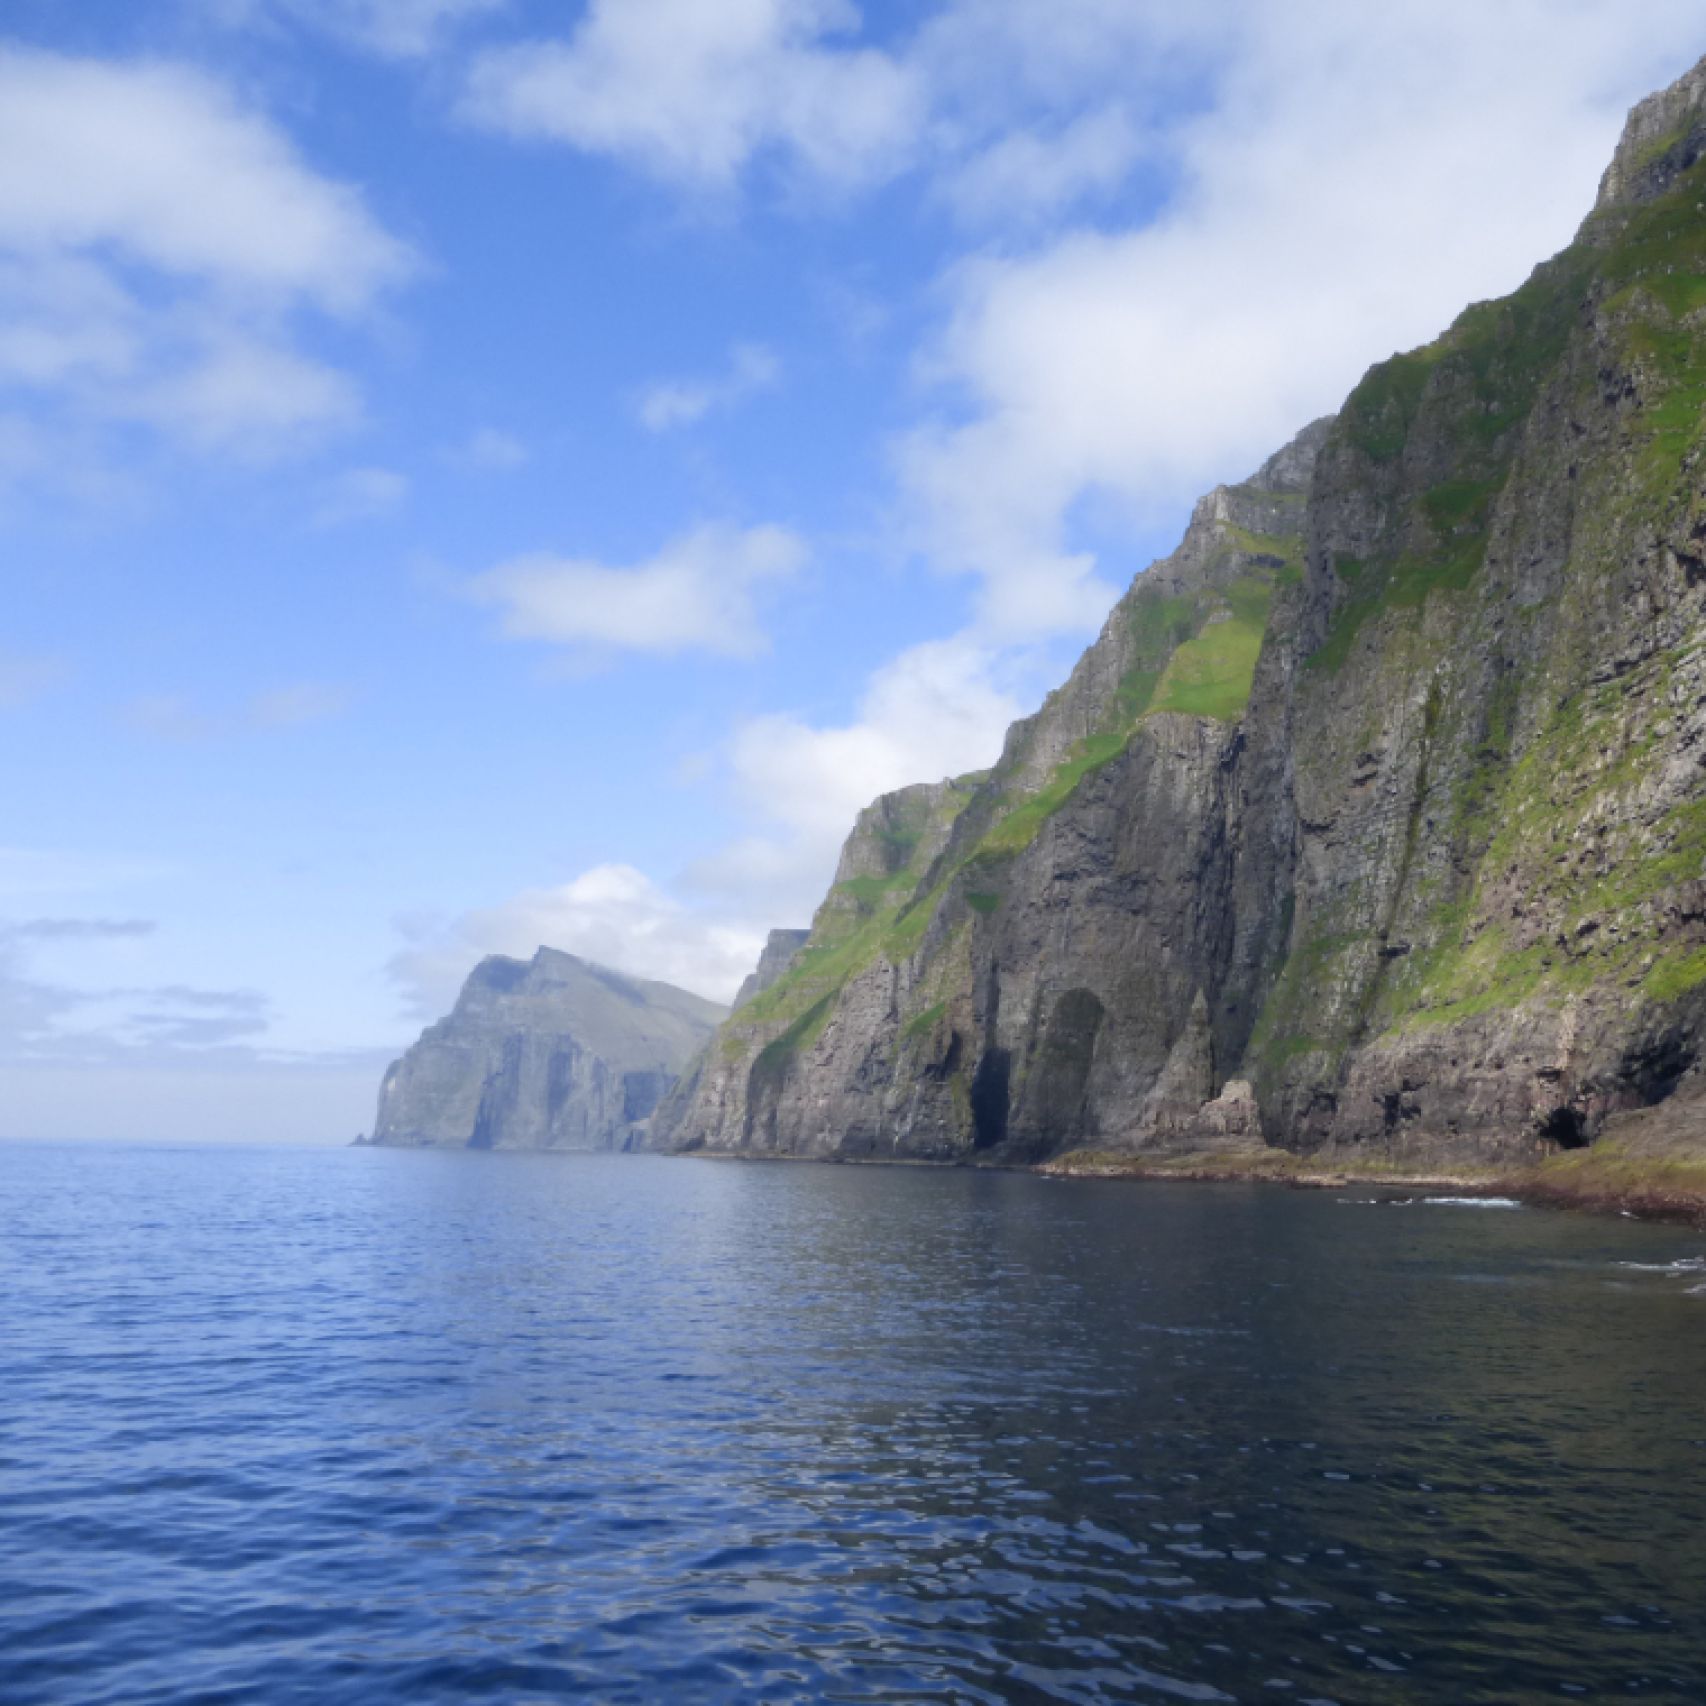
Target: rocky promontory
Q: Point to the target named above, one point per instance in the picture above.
(549, 1053)
(1372, 829)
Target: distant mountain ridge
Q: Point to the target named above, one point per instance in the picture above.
(549, 1053)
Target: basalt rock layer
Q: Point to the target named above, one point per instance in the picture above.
(551, 1053)
(1374, 819)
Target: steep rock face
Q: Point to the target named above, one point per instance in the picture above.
(552, 1053)
(1007, 963)
(730, 1097)
(1379, 807)
(1495, 718)
(1663, 139)
(778, 955)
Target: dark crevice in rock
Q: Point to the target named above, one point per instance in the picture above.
(1062, 1073)
(989, 1098)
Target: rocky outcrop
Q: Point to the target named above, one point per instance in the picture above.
(730, 1098)
(776, 957)
(551, 1053)
(1379, 808)
(1663, 139)
(1496, 712)
(1007, 963)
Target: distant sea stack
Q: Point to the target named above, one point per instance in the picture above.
(548, 1053)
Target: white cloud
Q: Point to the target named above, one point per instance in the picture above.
(987, 59)
(612, 914)
(398, 29)
(239, 394)
(361, 494)
(67, 320)
(994, 92)
(490, 451)
(159, 245)
(1432, 150)
(691, 93)
(933, 711)
(160, 164)
(936, 710)
(1026, 177)
(681, 402)
(1359, 176)
(700, 593)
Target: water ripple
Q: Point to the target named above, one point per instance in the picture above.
(390, 1427)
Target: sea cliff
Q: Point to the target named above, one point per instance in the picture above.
(548, 1053)
(1372, 828)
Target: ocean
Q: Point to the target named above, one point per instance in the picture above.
(374, 1426)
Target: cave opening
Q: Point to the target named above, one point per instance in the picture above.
(1565, 1127)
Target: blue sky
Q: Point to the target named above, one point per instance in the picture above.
(475, 473)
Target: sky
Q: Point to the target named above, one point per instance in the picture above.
(483, 473)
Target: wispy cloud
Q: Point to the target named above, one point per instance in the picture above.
(164, 1060)
(490, 451)
(78, 929)
(935, 711)
(938, 709)
(1013, 109)
(361, 494)
(701, 592)
(1096, 353)
(1434, 151)
(394, 29)
(45, 1020)
(691, 93)
(1030, 177)
(175, 1017)
(614, 915)
(160, 241)
(176, 718)
(681, 402)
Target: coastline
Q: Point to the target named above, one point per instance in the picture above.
(1635, 1172)
(1609, 1183)
(1650, 1164)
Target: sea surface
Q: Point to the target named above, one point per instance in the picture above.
(375, 1426)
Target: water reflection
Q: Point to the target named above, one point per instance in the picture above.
(375, 1426)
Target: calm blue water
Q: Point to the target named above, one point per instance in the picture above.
(375, 1427)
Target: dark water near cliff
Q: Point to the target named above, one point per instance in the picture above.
(378, 1427)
